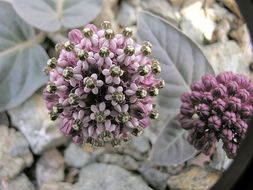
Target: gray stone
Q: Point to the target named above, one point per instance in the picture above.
(126, 15)
(124, 161)
(32, 119)
(162, 8)
(56, 186)
(134, 2)
(141, 144)
(20, 182)
(153, 176)
(14, 152)
(4, 119)
(193, 178)
(108, 177)
(50, 167)
(229, 56)
(75, 156)
(194, 19)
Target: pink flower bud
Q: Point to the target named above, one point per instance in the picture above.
(75, 36)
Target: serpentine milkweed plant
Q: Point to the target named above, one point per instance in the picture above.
(102, 85)
(212, 108)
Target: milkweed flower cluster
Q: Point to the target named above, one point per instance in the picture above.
(101, 87)
(217, 108)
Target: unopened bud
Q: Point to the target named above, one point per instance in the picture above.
(69, 46)
(127, 32)
(104, 52)
(106, 25)
(129, 50)
(68, 73)
(154, 114)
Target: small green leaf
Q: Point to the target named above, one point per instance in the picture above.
(21, 59)
(51, 15)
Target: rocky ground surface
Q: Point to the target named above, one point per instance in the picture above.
(35, 155)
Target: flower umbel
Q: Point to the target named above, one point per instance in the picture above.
(101, 86)
(217, 108)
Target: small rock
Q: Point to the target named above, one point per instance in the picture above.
(4, 119)
(177, 3)
(50, 167)
(194, 19)
(162, 8)
(221, 32)
(134, 3)
(14, 152)
(218, 12)
(126, 15)
(75, 156)
(124, 161)
(56, 186)
(108, 177)
(20, 182)
(32, 119)
(141, 144)
(193, 178)
(241, 36)
(229, 56)
(71, 175)
(233, 7)
(154, 177)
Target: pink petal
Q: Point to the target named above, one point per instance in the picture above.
(119, 51)
(108, 61)
(94, 40)
(100, 61)
(78, 91)
(82, 104)
(100, 83)
(91, 60)
(95, 90)
(100, 128)
(129, 124)
(94, 76)
(87, 90)
(94, 108)
(92, 116)
(73, 82)
(133, 86)
(90, 131)
(80, 114)
(125, 108)
(102, 106)
(107, 125)
(108, 97)
(114, 103)
(121, 58)
(120, 89)
(107, 112)
(78, 77)
(108, 80)
(106, 72)
(116, 80)
(96, 56)
(112, 128)
(111, 89)
(129, 92)
(117, 108)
